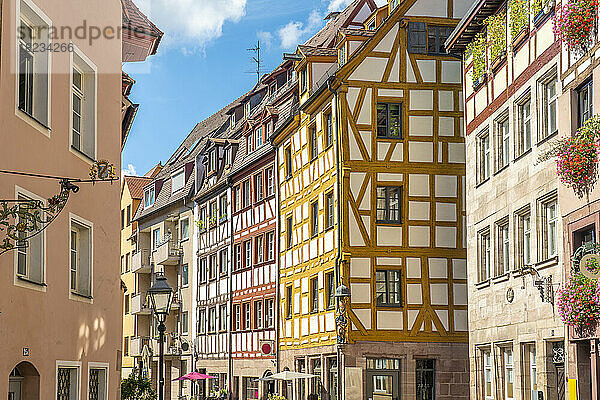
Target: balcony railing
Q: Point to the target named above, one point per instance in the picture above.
(140, 304)
(137, 345)
(167, 251)
(140, 261)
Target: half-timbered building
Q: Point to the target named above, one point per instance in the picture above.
(373, 287)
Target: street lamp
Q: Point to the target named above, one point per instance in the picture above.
(161, 296)
(341, 293)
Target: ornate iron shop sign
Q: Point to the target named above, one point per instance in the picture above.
(22, 219)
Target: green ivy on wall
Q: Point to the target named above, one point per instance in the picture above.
(496, 35)
(477, 49)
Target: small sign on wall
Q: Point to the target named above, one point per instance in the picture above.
(25, 351)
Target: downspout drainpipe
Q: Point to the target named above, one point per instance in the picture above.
(338, 259)
(193, 355)
(230, 287)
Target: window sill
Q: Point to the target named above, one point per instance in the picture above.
(482, 183)
(25, 279)
(327, 229)
(501, 278)
(389, 223)
(501, 169)
(523, 154)
(545, 139)
(550, 262)
(34, 122)
(184, 240)
(392, 139)
(84, 155)
(80, 297)
(483, 284)
(389, 306)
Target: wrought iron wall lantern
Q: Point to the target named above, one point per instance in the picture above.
(22, 219)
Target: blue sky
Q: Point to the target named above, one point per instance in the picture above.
(202, 64)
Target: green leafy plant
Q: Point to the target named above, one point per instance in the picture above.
(496, 35)
(276, 397)
(519, 17)
(137, 387)
(477, 49)
(201, 225)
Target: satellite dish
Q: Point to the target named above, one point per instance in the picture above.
(185, 346)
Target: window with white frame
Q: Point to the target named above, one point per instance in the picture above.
(503, 248)
(33, 66)
(549, 228)
(149, 196)
(155, 238)
(483, 156)
(223, 317)
(81, 258)
(270, 246)
(509, 374)
(532, 371)
(67, 382)
(202, 321)
(184, 323)
(502, 143)
(202, 270)
(488, 374)
(97, 383)
(258, 314)
(523, 220)
(223, 262)
(30, 258)
(212, 320)
(484, 254)
(260, 249)
(270, 181)
(258, 137)
(269, 312)
(83, 106)
(177, 181)
(549, 97)
(184, 229)
(247, 253)
(524, 126)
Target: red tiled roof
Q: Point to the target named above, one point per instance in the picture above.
(136, 185)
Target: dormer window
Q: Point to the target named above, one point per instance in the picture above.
(227, 157)
(393, 4)
(247, 108)
(177, 181)
(259, 137)
(249, 144)
(342, 55)
(269, 129)
(303, 80)
(232, 120)
(149, 197)
(372, 25)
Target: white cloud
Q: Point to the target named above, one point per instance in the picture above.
(266, 38)
(339, 5)
(131, 171)
(291, 34)
(190, 24)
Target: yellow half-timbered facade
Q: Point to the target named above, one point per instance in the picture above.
(372, 207)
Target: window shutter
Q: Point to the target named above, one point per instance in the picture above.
(417, 38)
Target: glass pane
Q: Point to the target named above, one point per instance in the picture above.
(394, 120)
(77, 79)
(76, 104)
(381, 120)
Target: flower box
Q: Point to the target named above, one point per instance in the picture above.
(479, 82)
(518, 40)
(575, 24)
(498, 61)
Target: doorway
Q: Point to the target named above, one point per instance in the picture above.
(24, 382)
(383, 379)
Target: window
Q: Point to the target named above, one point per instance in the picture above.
(416, 36)
(524, 238)
(177, 181)
(184, 229)
(258, 315)
(81, 259)
(387, 286)
(126, 340)
(126, 304)
(329, 290)
(202, 321)
(156, 238)
(247, 108)
(223, 208)
(67, 385)
(425, 376)
(202, 219)
(314, 143)
(184, 323)
(532, 371)
(248, 253)
(258, 187)
(270, 246)
(237, 317)
(388, 204)
(223, 317)
(237, 249)
(202, 270)
(288, 163)
(33, 68)
(288, 301)
(149, 197)
(122, 219)
(314, 294)
(328, 130)
(389, 120)
(549, 107)
(585, 106)
(97, 383)
(249, 144)
(288, 232)
(30, 259)
(223, 262)
(212, 209)
(502, 144)
(247, 316)
(270, 181)
(258, 137)
(227, 156)
(436, 37)
(550, 227)
(238, 198)
(303, 80)
(212, 320)
(488, 375)
(503, 248)
(509, 375)
(483, 157)
(212, 266)
(260, 249)
(269, 313)
(128, 215)
(268, 129)
(246, 198)
(250, 385)
(484, 255)
(314, 218)
(184, 275)
(524, 120)
(329, 210)
(83, 107)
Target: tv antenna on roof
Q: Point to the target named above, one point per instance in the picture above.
(256, 59)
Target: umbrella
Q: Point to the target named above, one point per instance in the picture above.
(287, 376)
(193, 376)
